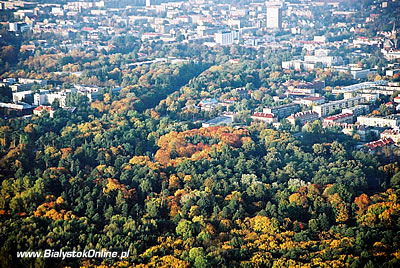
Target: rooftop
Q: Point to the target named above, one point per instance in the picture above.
(264, 115)
(379, 143)
(338, 116)
(301, 114)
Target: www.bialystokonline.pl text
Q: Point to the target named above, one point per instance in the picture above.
(49, 253)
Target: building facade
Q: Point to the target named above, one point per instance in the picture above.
(391, 121)
(303, 117)
(274, 16)
(282, 111)
(392, 134)
(330, 107)
(267, 118)
(338, 119)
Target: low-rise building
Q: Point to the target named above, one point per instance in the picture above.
(392, 134)
(41, 109)
(45, 98)
(13, 109)
(392, 72)
(356, 72)
(268, 118)
(379, 146)
(282, 111)
(25, 96)
(353, 129)
(303, 117)
(391, 121)
(338, 119)
(310, 101)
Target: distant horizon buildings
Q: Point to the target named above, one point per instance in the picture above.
(274, 15)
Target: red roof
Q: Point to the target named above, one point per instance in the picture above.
(314, 98)
(391, 132)
(379, 143)
(41, 108)
(264, 115)
(338, 116)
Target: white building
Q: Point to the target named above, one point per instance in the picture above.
(21, 96)
(274, 16)
(49, 98)
(392, 121)
(268, 118)
(310, 101)
(226, 38)
(325, 60)
(333, 106)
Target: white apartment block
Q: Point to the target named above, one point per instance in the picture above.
(274, 16)
(330, 107)
(225, 38)
(392, 121)
(325, 60)
(49, 98)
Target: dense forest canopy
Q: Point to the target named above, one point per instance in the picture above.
(135, 170)
(119, 176)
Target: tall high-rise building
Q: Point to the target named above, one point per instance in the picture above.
(274, 15)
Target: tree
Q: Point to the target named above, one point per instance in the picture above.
(395, 180)
(9, 54)
(185, 228)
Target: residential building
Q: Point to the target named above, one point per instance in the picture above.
(325, 60)
(267, 118)
(338, 119)
(333, 106)
(20, 87)
(357, 110)
(274, 16)
(226, 38)
(353, 129)
(45, 98)
(293, 64)
(392, 72)
(303, 117)
(18, 109)
(310, 101)
(356, 72)
(392, 134)
(379, 146)
(39, 110)
(25, 96)
(282, 111)
(39, 82)
(391, 121)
